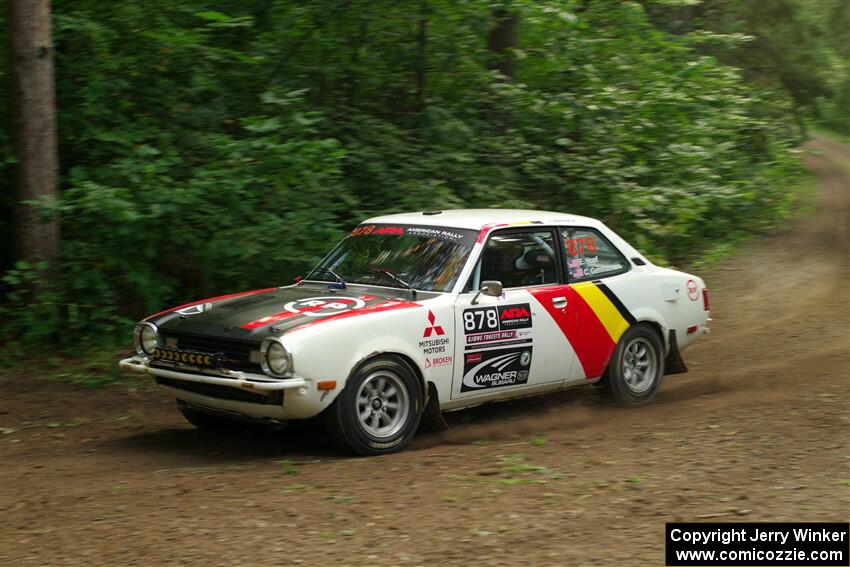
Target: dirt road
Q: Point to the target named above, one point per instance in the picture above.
(758, 430)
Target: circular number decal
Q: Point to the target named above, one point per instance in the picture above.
(693, 292)
(324, 306)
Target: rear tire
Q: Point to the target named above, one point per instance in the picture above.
(636, 367)
(379, 410)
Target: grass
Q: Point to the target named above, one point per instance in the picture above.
(514, 481)
(341, 499)
(516, 464)
(92, 367)
(70, 423)
(510, 470)
(288, 467)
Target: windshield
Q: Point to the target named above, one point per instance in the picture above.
(426, 258)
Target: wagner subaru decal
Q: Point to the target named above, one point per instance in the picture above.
(494, 368)
(501, 325)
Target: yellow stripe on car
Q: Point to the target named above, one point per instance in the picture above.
(606, 311)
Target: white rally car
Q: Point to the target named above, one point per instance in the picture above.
(430, 311)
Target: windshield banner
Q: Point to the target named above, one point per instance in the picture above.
(460, 236)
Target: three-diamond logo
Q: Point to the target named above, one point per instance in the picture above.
(434, 328)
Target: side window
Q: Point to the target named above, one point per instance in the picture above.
(518, 259)
(590, 255)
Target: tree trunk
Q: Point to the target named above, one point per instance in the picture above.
(33, 128)
(421, 55)
(503, 37)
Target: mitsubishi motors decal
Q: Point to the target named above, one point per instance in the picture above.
(435, 344)
(433, 327)
(494, 368)
(501, 325)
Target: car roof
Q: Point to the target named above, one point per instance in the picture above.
(477, 219)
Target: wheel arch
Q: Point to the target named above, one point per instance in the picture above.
(406, 359)
(659, 330)
(654, 320)
(648, 321)
(614, 381)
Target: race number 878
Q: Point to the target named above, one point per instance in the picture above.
(480, 320)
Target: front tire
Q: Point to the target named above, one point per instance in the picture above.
(379, 410)
(636, 367)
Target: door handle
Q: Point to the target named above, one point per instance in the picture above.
(559, 302)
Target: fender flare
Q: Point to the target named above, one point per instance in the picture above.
(424, 388)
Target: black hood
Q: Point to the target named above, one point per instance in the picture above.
(255, 315)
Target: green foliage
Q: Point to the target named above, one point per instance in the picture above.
(217, 146)
(800, 49)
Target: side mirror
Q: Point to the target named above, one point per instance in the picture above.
(492, 288)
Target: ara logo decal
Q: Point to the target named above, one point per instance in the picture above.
(514, 313)
(491, 369)
(433, 328)
(323, 306)
(515, 316)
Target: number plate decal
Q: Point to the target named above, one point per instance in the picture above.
(497, 326)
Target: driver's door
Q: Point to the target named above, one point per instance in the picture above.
(513, 341)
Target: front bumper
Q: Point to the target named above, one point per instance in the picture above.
(302, 399)
(231, 378)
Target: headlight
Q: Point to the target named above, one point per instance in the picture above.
(146, 337)
(275, 360)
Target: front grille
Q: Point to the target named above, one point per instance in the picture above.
(223, 392)
(237, 354)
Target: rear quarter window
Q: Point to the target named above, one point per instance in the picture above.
(590, 256)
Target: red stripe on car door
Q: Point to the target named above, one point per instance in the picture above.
(581, 327)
